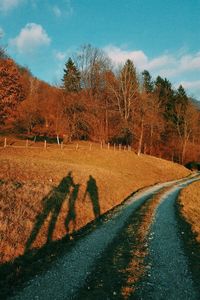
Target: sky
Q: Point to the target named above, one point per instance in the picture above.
(160, 36)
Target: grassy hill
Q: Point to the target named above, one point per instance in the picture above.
(190, 207)
(35, 183)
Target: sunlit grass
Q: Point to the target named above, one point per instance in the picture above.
(190, 207)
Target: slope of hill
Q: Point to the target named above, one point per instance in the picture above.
(190, 207)
(35, 184)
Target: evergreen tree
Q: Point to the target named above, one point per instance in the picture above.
(147, 82)
(181, 96)
(71, 78)
(166, 96)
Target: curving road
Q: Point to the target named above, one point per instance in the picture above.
(70, 273)
(169, 275)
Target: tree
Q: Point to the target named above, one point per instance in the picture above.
(146, 114)
(186, 122)
(147, 84)
(71, 78)
(93, 63)
(125, 89)
(11, 90)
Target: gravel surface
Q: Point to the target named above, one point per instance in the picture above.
(69, 273)
(169, 276)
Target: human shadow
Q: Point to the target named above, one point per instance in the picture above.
(15, 273)
(52, 204)
(92, 192)
(71, 216)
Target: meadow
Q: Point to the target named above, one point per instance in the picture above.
(190, 207)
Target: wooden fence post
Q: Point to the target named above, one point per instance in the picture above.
(76, 147)
(90, 146)
(114, 147)
(27, 143)
(120, 146)
(61, 145)
(101, 145)
(5, 143)
(108, 146)
(45, 144)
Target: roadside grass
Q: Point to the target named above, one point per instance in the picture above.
(31, 190)
(190, 207)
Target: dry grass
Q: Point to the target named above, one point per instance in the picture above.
(29, 175)
(136, 268)
(190, 207)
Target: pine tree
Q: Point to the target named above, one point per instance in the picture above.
(147, 82)
(71, 78)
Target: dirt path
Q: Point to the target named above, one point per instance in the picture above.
(169, 275)
(79, 273)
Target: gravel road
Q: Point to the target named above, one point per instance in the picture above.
(169, 275)
(69, 273)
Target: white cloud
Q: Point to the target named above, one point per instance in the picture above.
(190, 62)
(60, 55)
(119, 56)
(64, 9)
(31, 37)
(191, 84)
(6, 5)
(192, 87)
(2, 33)
(159, 62)
(68, 7)
(170, 65)
(56, 11)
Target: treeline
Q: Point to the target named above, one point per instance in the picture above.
(99, 102)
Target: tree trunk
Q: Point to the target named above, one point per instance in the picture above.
(141, 137)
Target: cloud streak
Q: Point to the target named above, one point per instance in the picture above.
(65, 9)
(169, 64)
(7, 5)
(30, 38)
(2, 33)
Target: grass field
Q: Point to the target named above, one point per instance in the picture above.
(190, 207)
(46, 193)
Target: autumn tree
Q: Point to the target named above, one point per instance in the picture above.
(184, 118)
(94, 65)
(11, 90)
(125, 89)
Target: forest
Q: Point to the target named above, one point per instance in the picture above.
(101, 102)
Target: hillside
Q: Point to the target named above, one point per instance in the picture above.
(36, 182)
(190, 207)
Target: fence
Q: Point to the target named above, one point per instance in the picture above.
(14, 143)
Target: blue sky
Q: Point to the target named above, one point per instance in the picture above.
(160, 36)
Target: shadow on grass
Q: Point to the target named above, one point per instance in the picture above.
(52, 205)
(92, 192)
(34, 261)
